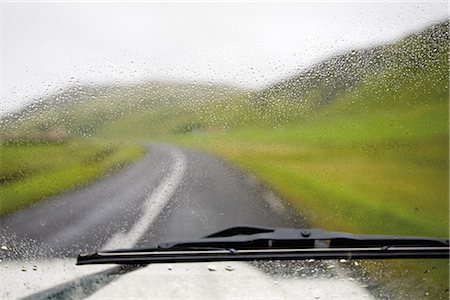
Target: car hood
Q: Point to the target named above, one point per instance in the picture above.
(224, 280)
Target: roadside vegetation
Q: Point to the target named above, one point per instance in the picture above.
(32, 171)
(358, 142)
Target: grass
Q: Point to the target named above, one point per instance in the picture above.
(35, 171)
(354, 176)
(410, 279)
(347, 187)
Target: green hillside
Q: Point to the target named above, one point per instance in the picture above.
(383, 69)
(82, 110)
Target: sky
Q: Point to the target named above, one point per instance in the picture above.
(46, 46)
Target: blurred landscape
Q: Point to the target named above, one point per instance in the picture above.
(358, 142)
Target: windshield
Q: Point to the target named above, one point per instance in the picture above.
(127, 125)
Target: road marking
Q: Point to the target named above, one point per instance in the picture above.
(153, 204)
(274, 202)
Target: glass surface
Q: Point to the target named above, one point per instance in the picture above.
(130, 124)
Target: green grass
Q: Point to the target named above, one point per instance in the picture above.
(35, 171)
(360, 175)
(398, 188)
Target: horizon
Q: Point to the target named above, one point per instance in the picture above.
(15, 95)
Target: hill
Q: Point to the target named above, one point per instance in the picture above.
(83, 109)
(411, 68)
(382, 69)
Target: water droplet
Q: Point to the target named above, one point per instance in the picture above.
(212, 268)
(229, 268)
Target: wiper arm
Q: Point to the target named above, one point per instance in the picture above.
(246, 243)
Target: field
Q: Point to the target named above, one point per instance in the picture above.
(345, 178)
(30, 172)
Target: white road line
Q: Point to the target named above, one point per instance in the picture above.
(153, 204)
(274, 202)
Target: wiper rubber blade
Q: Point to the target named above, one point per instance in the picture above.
(245, 243)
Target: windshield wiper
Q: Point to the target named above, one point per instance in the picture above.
(246, 243)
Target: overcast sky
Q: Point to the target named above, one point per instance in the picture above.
(48, 45)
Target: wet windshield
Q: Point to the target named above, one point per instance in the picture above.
(125, 125)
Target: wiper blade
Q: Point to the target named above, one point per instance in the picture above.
(247, 243)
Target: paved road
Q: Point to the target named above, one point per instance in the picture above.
(169, 194)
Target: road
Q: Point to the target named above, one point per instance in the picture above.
(170, 194)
